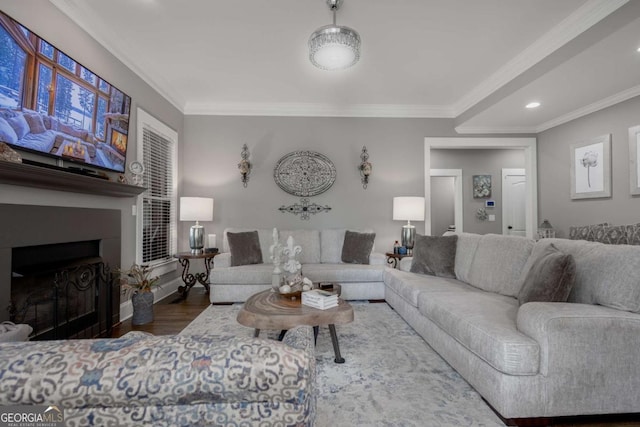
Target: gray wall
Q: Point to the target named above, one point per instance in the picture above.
(41, 17)
(395, 146)
(554, 181)
(442, 203)
(479, 162)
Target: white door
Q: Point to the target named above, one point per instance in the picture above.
(514, 190)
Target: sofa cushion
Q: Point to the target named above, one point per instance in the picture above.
(19, 125)
(343, 273)
(410, 285)
(357, 247)
(435, 255)
(244, 248)
(465, 252)
(550, 277)
(331, 241)
(7, 134)
(633, 234)
(253, 274)
(605, 274)
(265, 236)
(586, 232)
(36, 125)
(309, 240)
(612, 235)
(485, 324)
(498, 263)
(39, 141)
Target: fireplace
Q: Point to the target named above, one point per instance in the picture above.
(55, 269)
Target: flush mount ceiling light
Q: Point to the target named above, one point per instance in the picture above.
(333, 47)
(532, 105)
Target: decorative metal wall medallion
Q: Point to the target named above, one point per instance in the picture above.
(305, 173)
(304, 209)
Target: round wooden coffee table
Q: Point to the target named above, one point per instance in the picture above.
(269, 310)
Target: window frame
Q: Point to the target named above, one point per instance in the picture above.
(147, 121)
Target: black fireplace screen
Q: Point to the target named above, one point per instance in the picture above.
(73, 300)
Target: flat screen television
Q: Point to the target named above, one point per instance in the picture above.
(51, 104)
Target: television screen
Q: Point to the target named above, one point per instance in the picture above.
(51, 104)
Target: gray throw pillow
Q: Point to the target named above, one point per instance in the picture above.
(244, 248)
(435, 255)
(357, 247)
(550, 278)
(19, 125)
(35, 123)
(7, 134)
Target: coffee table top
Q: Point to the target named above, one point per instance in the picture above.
(269, 310)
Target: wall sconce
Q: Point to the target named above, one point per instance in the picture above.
(365, 167)
(245, 165)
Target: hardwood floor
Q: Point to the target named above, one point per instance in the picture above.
(171, 318)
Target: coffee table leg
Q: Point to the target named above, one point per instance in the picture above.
(256, 333)
(316, 329)
(336, 346)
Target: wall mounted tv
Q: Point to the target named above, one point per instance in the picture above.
(51, 104)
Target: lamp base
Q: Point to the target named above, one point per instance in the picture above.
(408, 237)
(196, 239)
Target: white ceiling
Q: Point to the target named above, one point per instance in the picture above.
(477, 61)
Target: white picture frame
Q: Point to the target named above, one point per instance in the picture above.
(634, 160)
(591, 168)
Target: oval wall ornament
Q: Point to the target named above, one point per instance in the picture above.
(304, 173)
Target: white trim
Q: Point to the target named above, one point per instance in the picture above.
(318, 110)
(586, 16)
(146, 120)
(529, 145)
(457, 197)
(505, 173)
(464, 130)
(591, 108)
(160, 293)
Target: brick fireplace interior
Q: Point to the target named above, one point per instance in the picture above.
(54, 266)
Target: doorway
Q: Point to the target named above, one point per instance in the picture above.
(528, 145)
(446, 200)
(514, 186)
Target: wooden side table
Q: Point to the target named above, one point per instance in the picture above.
(393, 258)
(190, 279)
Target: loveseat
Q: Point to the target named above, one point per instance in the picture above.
(321, 262)
(538, 359)
(141, 379)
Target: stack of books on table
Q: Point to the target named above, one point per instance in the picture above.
(320, 299)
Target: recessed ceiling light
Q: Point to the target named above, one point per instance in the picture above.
(532, 105)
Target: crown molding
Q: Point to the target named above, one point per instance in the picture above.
(487, 130)
(86, 19)
(575, 24)
(318, 110)
(591, 108)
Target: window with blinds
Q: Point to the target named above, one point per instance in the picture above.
(157, 225)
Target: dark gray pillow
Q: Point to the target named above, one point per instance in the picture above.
(435, 255)
(357, 247)
(244, 248)
(550, 278)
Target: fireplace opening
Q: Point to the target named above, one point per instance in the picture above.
(61, 290)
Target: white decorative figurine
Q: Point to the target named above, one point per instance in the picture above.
(292, 265)
(276, 252)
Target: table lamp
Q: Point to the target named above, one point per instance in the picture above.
(196, 209)
(408, 209)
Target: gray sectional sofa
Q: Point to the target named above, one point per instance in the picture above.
(320, 259)
(538, 359)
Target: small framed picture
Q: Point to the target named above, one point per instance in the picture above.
(591, 168)
(481, 186)
(634, 159)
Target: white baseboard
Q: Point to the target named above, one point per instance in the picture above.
(160, 293)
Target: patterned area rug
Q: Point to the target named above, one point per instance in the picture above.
(391, 377)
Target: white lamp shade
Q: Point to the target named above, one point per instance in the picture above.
(408, 208)
(196, 209)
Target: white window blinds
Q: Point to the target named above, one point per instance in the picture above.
(158, 222)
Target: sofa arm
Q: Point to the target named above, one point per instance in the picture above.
(587, 341)
(222, 260)
(405, 263)
(377, 258)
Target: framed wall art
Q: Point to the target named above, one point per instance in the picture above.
(634, 159)
(591, 168)
(481, 186)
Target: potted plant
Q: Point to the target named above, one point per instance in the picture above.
(139, 282)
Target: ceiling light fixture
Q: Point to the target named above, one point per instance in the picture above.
(333, 47)
(532, 105)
